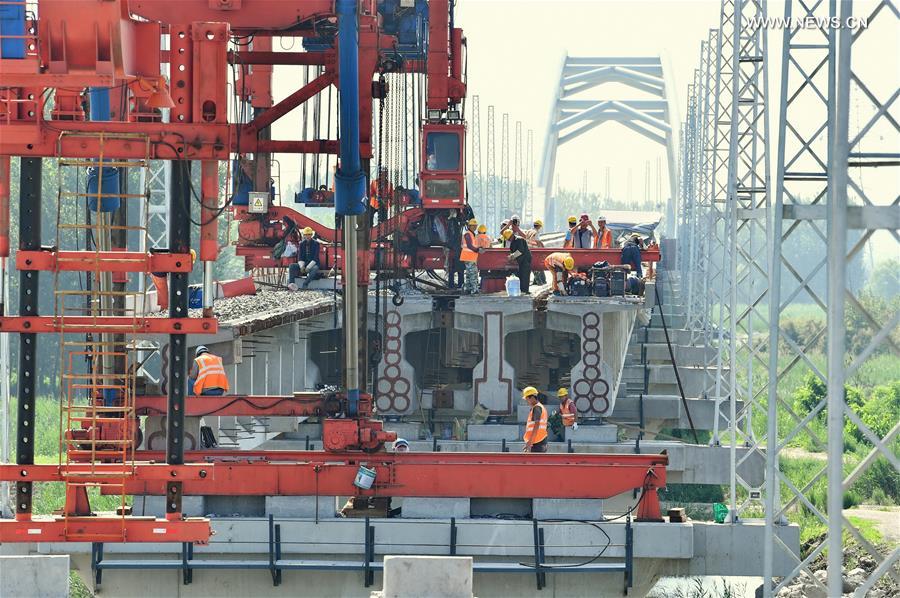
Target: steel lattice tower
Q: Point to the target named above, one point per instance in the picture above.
(528, 210)
(491, 175)
(505, 202)
(476, 197)
(518, 197)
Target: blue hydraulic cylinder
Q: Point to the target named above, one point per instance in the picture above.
(349, 180)
(107, 182)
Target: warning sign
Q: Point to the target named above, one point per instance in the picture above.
(259, 202)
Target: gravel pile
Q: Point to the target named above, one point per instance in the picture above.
(858, 566)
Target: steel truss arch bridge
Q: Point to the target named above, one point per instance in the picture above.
(575, 112)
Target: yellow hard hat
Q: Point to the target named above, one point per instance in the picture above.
(572, 219)
(472, 222)
(563, 392)
(529, 391)
(539, 222)
(482, 228)
(308, 231)
(507, 234)
(569, 263)
(193, 257)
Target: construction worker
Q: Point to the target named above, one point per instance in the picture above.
(631, 255)
(603, 239)
(567, 409)
(519, 253)
(380, 192)
(483, 240)
(535, 436)
(559, 263)
(533, 238)
(469, 257)
(207, 376)
(583, 234)
(401, 446)
(573, 222)
(307, 261)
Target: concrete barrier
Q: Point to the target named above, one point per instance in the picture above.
(34, 576)
(427, 577)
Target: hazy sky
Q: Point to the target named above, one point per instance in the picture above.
(515, 49)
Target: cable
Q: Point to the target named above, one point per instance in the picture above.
(149, 410)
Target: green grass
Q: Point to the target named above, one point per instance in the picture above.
(867, 528)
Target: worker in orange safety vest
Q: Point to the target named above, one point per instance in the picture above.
(603, 238)
(380, 192)
(559, 263)
(207, 375)
(469, 257)
(535, 436)
(567, 409)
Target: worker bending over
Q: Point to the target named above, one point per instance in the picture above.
(468, 255)
(207, 376)
(535, 436)
(559, 263)
(307, 260)
(519, 253)
(603, 240)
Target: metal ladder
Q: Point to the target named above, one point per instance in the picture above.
(97, 404)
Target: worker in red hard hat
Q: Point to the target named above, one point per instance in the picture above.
(559, 263)
(583, 234)
(207, 374)
(535, 436)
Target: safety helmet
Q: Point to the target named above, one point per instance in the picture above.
(308, 231)
(472, 222)
(529, 391)
(572, 219)
(601, 219)
(507, 234)
(636, 237)
(201, 350)
(539, 222)
(585, 217)
(514, 218)
(482, 228)
(562, 392)
(193, 257)
(401, 444)
(569, 263)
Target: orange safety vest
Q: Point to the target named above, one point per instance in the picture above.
(555, 260)
(536, 432)
(375, 196)
(567, 411)
(483, 240)
(211, 374)
(466, 254)
(604, 239)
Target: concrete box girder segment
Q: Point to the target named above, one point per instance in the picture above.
(573, 115)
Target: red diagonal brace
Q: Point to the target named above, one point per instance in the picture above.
(287, 104)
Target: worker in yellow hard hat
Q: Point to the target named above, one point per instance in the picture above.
(570, 232)
(559, 263)
(468, 255)
(483, 240)
(533, 238)
(306, 269)
(535, 436)
(567, 409)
